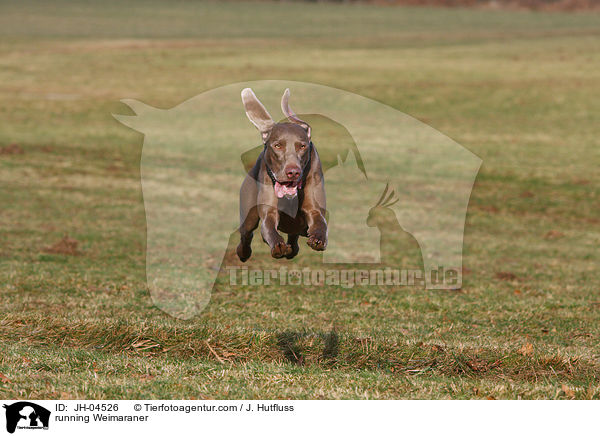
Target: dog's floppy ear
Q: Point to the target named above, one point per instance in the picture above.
(290, 114)
(257, 113)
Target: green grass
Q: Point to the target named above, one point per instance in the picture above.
(519, 89)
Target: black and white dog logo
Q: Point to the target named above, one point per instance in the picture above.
(26, 415)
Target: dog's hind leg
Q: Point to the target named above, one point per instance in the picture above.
(244, 249)
(293, 242)
(248, 216)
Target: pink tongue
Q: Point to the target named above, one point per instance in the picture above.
(281, 190)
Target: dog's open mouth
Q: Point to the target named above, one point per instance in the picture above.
(287, 189)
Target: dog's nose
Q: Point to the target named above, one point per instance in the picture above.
(293, 172)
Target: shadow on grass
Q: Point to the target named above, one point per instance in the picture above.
(289, 343)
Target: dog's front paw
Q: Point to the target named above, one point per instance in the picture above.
(294, 252)
(281, 249)
(244, 252)
(317, 241)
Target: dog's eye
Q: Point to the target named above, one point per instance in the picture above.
(302, 145)
(277, 145)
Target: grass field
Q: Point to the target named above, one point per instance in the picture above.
(519, 89)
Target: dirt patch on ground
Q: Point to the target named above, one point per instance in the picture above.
(506, 276)
(66, 245)
(12, 149)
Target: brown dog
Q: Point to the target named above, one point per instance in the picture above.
(285, 189)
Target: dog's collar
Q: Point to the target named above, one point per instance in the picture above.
(301, 185)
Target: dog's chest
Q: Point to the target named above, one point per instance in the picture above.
(291, 218)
